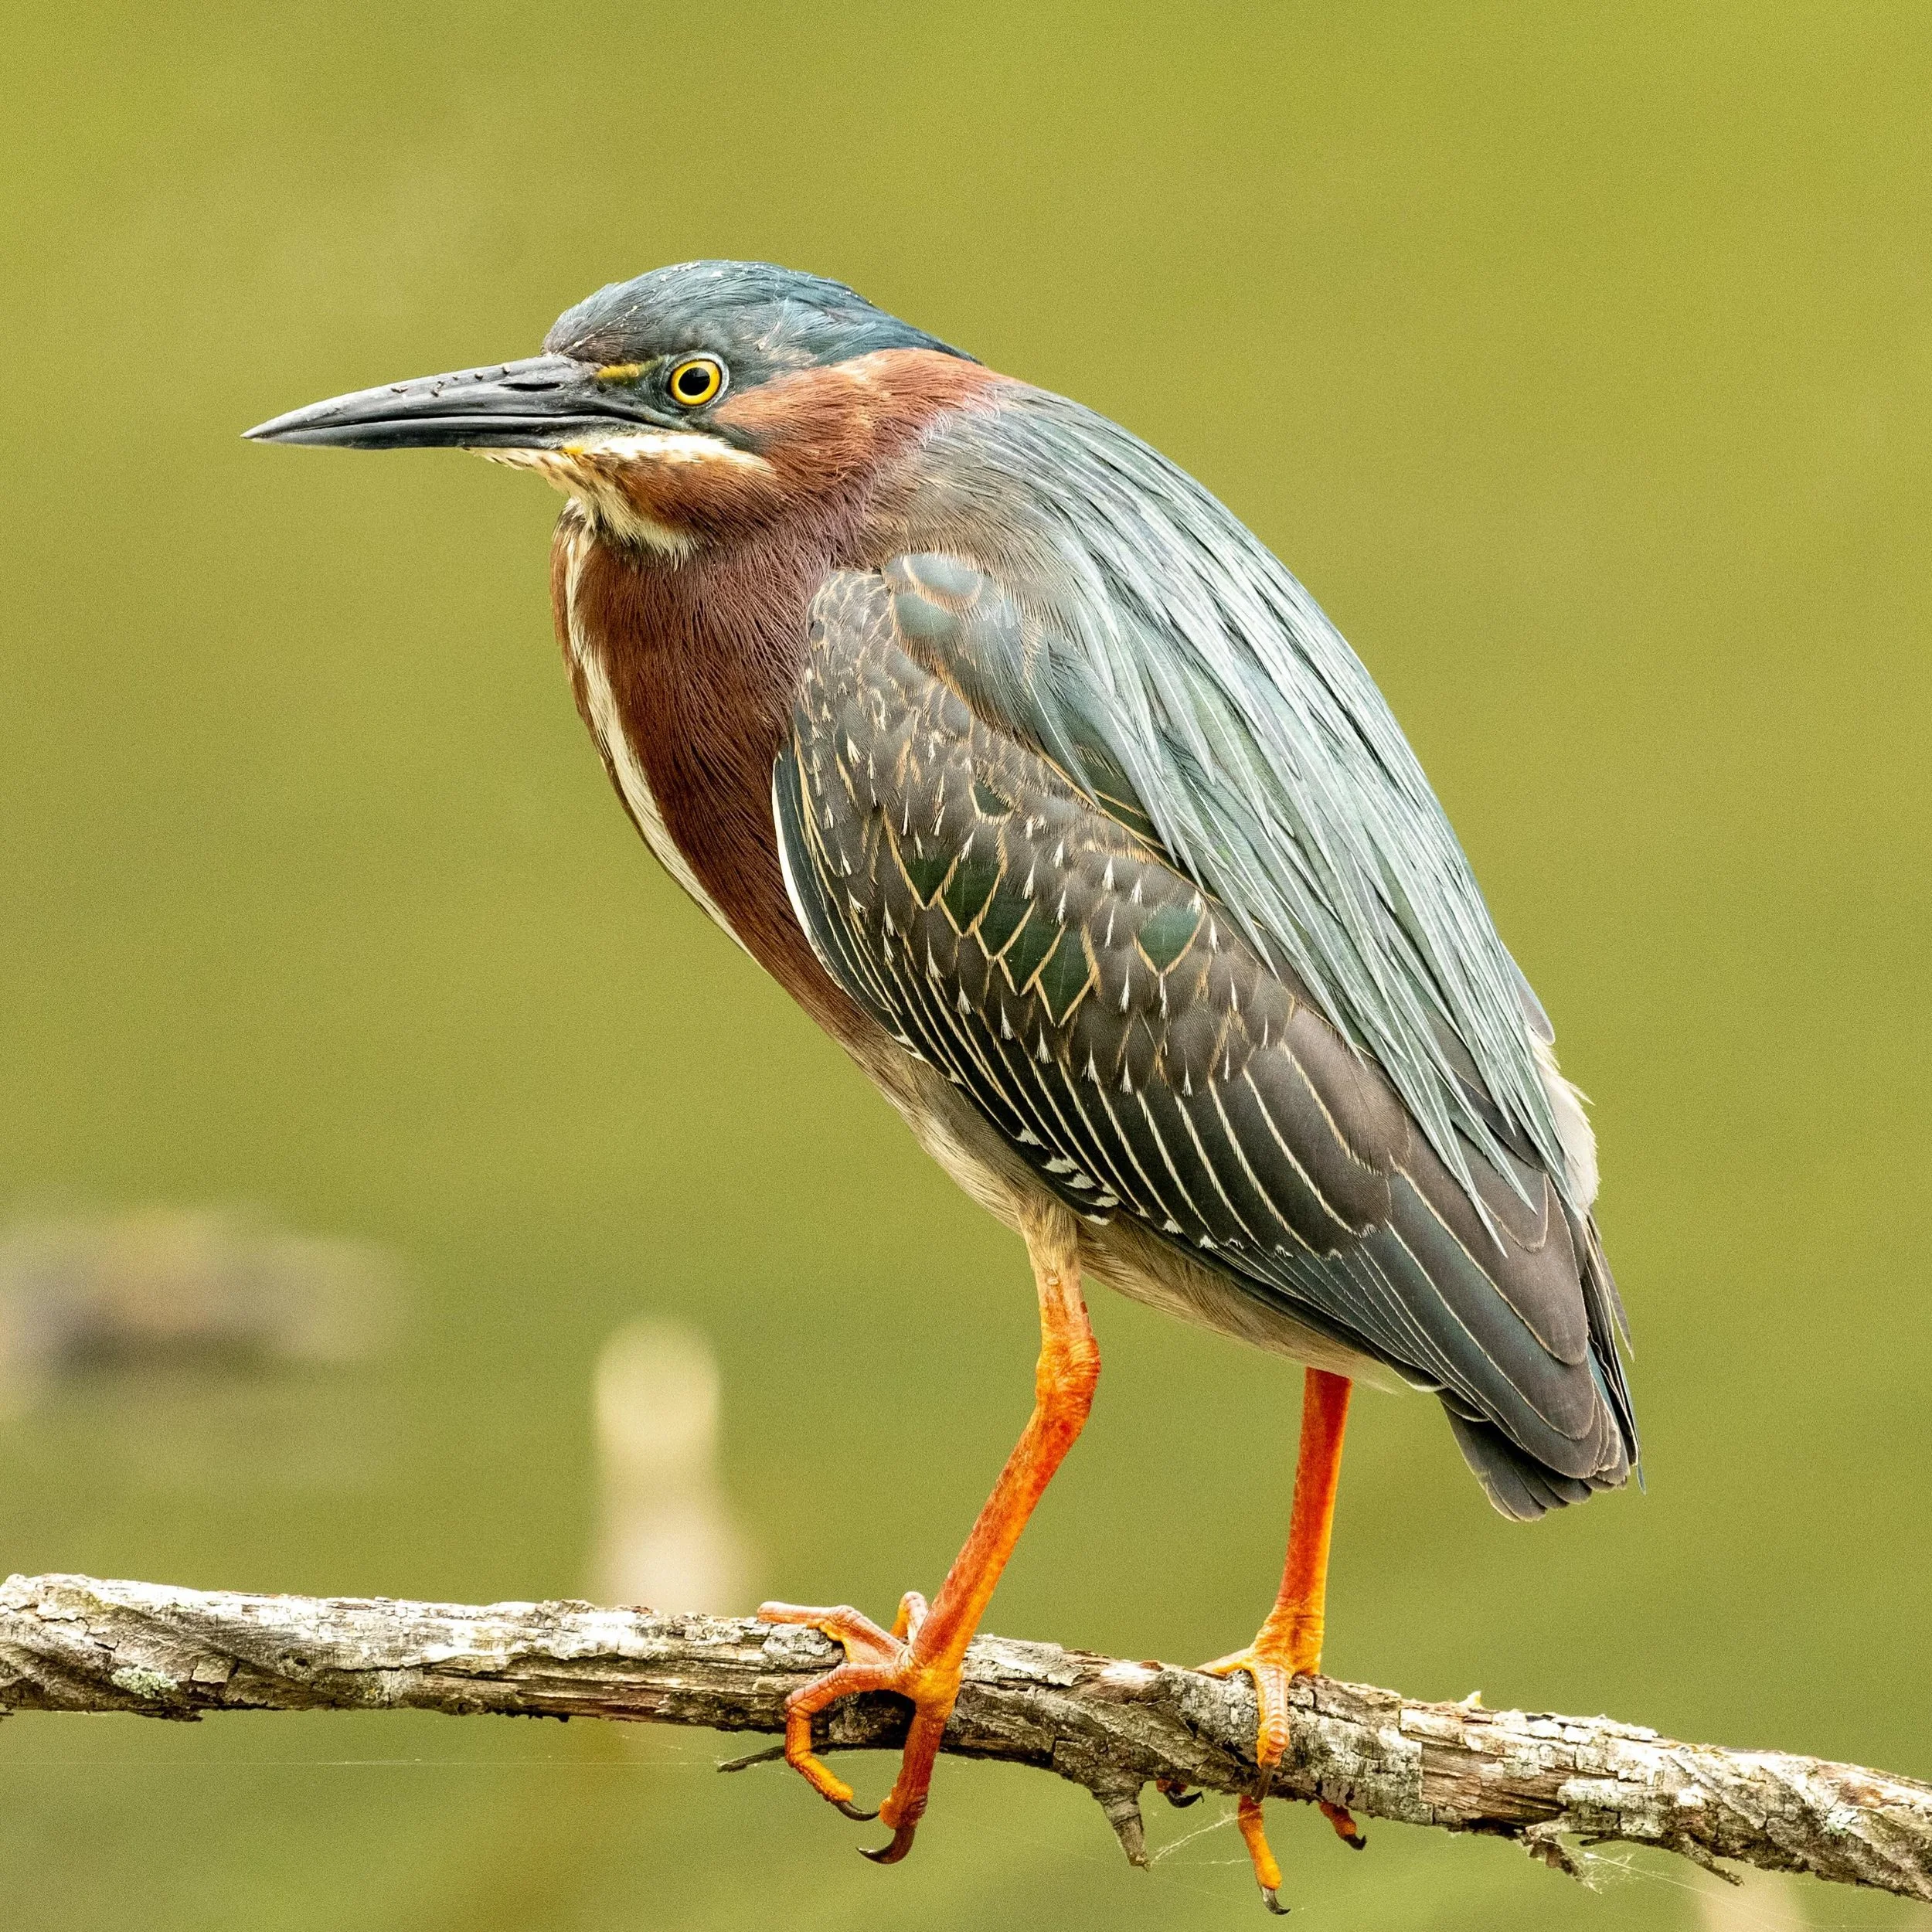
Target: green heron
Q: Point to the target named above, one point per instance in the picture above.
(1044, 789)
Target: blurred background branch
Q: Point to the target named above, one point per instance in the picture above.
(191, 1289)
(74, 1644)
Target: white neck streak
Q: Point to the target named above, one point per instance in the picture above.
(607, 726)
(590, 471)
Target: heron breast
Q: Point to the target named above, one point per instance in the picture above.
(606, 719)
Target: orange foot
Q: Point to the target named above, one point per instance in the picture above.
(1288, 1644)
(1273, 1667)
(875, 1660)
(920, 1658)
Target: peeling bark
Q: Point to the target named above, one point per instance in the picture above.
(74, 1644)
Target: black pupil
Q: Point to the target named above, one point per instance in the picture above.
(693, 380)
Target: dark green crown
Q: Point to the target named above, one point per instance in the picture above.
(756, 318)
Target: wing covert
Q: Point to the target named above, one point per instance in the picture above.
(1127, 1039)
(1151, 645)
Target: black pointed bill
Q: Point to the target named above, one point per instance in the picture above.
(541, 402)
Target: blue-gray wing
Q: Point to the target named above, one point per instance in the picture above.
(1165, 659)
(1120, 1031)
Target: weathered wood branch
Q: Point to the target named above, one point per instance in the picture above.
(74, 1643)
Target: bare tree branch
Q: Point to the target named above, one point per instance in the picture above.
(74, 1643)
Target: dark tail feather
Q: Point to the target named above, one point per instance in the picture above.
(1517, 1485)
(1609, 1332)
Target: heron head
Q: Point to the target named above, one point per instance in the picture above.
(675, 407)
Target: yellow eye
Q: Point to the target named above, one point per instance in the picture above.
(694, 383)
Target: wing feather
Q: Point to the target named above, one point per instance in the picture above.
(1121, 1032)
(1125, 624)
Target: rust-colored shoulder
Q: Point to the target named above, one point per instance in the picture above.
(805, 446)
(879, 399)
(822, 427)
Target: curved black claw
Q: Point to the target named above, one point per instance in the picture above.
(891, 1854)
(1273, 1903)
(1346, 1828)
(1177, 1794)
(857, 1811)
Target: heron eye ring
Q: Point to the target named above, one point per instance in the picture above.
(694, 383)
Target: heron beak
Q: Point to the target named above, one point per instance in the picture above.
(541, 402)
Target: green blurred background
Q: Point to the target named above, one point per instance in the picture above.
(1577, 358)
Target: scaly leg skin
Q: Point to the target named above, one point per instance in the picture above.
(920, 1657)
(1288, 1644)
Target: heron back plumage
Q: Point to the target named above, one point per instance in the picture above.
(1131, 628)
(1116, 1029)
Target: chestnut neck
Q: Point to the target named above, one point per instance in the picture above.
(703, 655)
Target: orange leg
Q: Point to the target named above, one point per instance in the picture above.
(1288, 1644)
(920, 1657)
